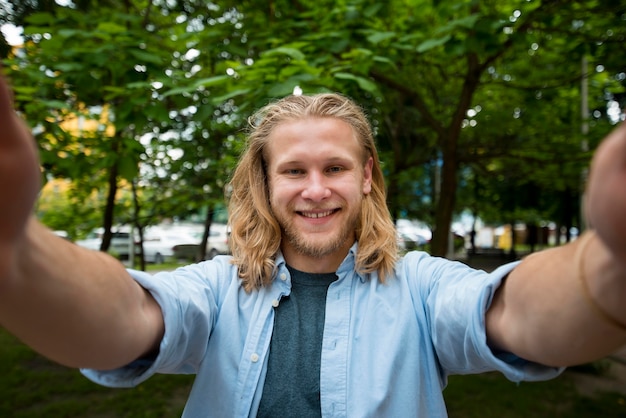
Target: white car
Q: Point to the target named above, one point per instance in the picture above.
(120, 242)
(412, 234)
(160, 243)
(218, 242)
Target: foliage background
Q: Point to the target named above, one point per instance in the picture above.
(139, 107)
(487, 107)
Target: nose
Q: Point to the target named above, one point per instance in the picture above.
(316, 188)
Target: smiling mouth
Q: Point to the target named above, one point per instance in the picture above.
(316, 215)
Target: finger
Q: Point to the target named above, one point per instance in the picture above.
(6, 95)
(19, 170)
(12, 128)
(606, 193)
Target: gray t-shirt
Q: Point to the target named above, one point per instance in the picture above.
(292, 383)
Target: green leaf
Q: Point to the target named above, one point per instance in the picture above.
(180, 90)
(290, 52)
(363, 83)
(211, 81)
(35, 30)
(385, 60)
(145, 56)
(139, 85)
(128, 167)
(432, 43)
(70, 33)
(54, 104)
(378, 37)
(204, 82)
(234, 93)
(25, 90)
(467, 22)
(372, 11)
(111, 27)
(40, 19)
(69, 66)
(282, 89)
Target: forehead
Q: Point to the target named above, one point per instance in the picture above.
(313, 136)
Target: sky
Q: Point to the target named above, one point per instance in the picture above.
(12, 34)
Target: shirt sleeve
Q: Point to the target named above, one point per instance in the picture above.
(187, 297)
(456, 299)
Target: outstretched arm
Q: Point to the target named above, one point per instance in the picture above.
(76, 306)
(567, 305)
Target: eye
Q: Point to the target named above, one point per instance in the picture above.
(335, 169)
(293, 171)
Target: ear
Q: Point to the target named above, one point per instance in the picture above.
(367, 176)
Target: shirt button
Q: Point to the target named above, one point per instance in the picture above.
(275, 303)
(283, 276)
(254, 357)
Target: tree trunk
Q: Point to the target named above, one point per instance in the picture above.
(139, 228)
(109, 209)
(445, 202)
(392, 192)
(208, 221)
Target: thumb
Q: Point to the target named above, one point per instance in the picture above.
(605, 201)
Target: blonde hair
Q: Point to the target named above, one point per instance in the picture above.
(255, 233)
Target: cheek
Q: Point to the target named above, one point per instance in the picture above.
(281, 191)
(353, 189)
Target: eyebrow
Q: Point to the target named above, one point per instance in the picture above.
(332, 160)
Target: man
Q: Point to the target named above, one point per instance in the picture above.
(314, 314)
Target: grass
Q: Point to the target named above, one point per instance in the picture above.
(33, 387)
(168, 265)
(490, 395)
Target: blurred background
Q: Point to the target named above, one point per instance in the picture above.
(486, 114)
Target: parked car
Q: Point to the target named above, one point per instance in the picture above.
(62, 234)
(161, 243)
(218, 242)
(409, 242)
(120, 246)
(412, 234)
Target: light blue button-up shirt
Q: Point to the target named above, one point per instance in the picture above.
(387, 348)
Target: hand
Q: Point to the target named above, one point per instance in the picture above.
(20, 177)
(605, 202)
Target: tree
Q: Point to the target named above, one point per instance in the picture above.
(114, 58)
(453, 88)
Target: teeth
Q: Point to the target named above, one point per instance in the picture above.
(317, 215)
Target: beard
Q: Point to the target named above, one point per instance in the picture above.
(333, 241)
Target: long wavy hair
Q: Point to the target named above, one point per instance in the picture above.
(255, 233)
